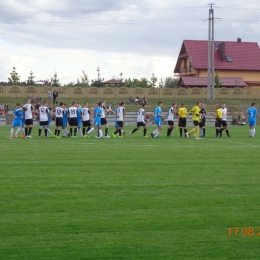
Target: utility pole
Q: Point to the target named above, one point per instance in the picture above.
(211, 48)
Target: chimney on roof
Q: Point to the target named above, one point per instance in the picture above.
(222, 50)
(238, 39)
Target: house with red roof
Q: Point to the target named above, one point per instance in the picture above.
(237, 63)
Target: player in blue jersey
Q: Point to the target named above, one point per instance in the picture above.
(97, 121)
(17, 121)
(79, 118)
(65, 120)
(252, 113)
(158, 115)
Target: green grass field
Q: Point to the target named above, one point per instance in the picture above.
(130, 198)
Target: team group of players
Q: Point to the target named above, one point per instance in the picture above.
(79, 120)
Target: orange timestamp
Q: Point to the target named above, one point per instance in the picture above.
(244, 231)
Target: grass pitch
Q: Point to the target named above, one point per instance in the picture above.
(130, 198)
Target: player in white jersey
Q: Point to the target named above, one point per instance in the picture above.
(43, 119)
(85, 115)
(141, 120)
(120, 114)
(28, 118)
(103, 118)
(58, 113)
(172, 111)
(73, 122)
(224, 120)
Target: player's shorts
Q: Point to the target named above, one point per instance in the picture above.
(79, 123)
(120, 123)
(59, 121)
(116, 123)
(170, 122)
(158, 122)
(103, 121)
(43, 123)
(202, 123)
(224, 123)
(29, 121)
(86, 123)
(218, 122)
(182, 122)
(195, 122)
(73, 121)
(252, 123)
(17, 122)
(138, 124)
(64, 122)
(97, 122)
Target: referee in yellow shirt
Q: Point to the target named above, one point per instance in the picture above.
(182, 114)
(218, 118)
(195, 112)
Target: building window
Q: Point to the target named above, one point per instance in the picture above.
(228, 58)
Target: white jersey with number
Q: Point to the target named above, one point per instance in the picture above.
(224, 113)
(120, 114)
(28, 112)
(170, 114)
(59, 111)
(72, 112)
(43, 110)
(141, 115)
(85, 114)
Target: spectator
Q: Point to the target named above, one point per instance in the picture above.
(6, 108)
(49, 94)
(2, 110)
(55, 97)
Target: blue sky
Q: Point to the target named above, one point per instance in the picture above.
(136, 37)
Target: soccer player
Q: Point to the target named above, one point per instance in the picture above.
(43, 114)
(158, 115)
(17, 121)
(85, 113)
(73, 122)
(224, 120)
(97, 121)
(182, 114)
(28, 118)
(202, 121)
(121, 113)
(58, 112)
(172, 111)
(218, 118)
(65, 120)
(103, 118)
(141, 120)
(252, 113)
(79, 119)
(195, 112)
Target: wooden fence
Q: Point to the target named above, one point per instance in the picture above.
(123, 92)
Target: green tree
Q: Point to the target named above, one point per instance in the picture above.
(153, 81)
(217, 80)
(84, 80)
(161, 83)
(55, 82)
(97, 82)
(14, 79)
(143, 83)
(30, 80)
(171, 82)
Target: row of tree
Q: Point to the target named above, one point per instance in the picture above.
(83, 81)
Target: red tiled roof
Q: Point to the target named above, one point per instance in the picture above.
(244, 55)
(203, 81)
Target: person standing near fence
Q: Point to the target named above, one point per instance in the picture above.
(55, 97)
(252, 113)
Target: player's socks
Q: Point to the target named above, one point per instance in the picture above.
(191, 131)
(134, 131)
(201, 131)
(181, 132)
(100, 133)
(30, 130)
(75, 131)
(40, 131)
(58, 132)
(106, 130)
(157, 134)
(227, 133)
(204, 131)
(46, 132)
(88, 128)
(168, 131)
(154, 132)
(49, 131)
(117, 131)
(91, 130)
(70, 131)
(11, 132)
(197, 133)
(26, 131)
(55, 133)
(145, 130)
(84, 131)
(18, 130)
(253, 132)
(217, 132)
